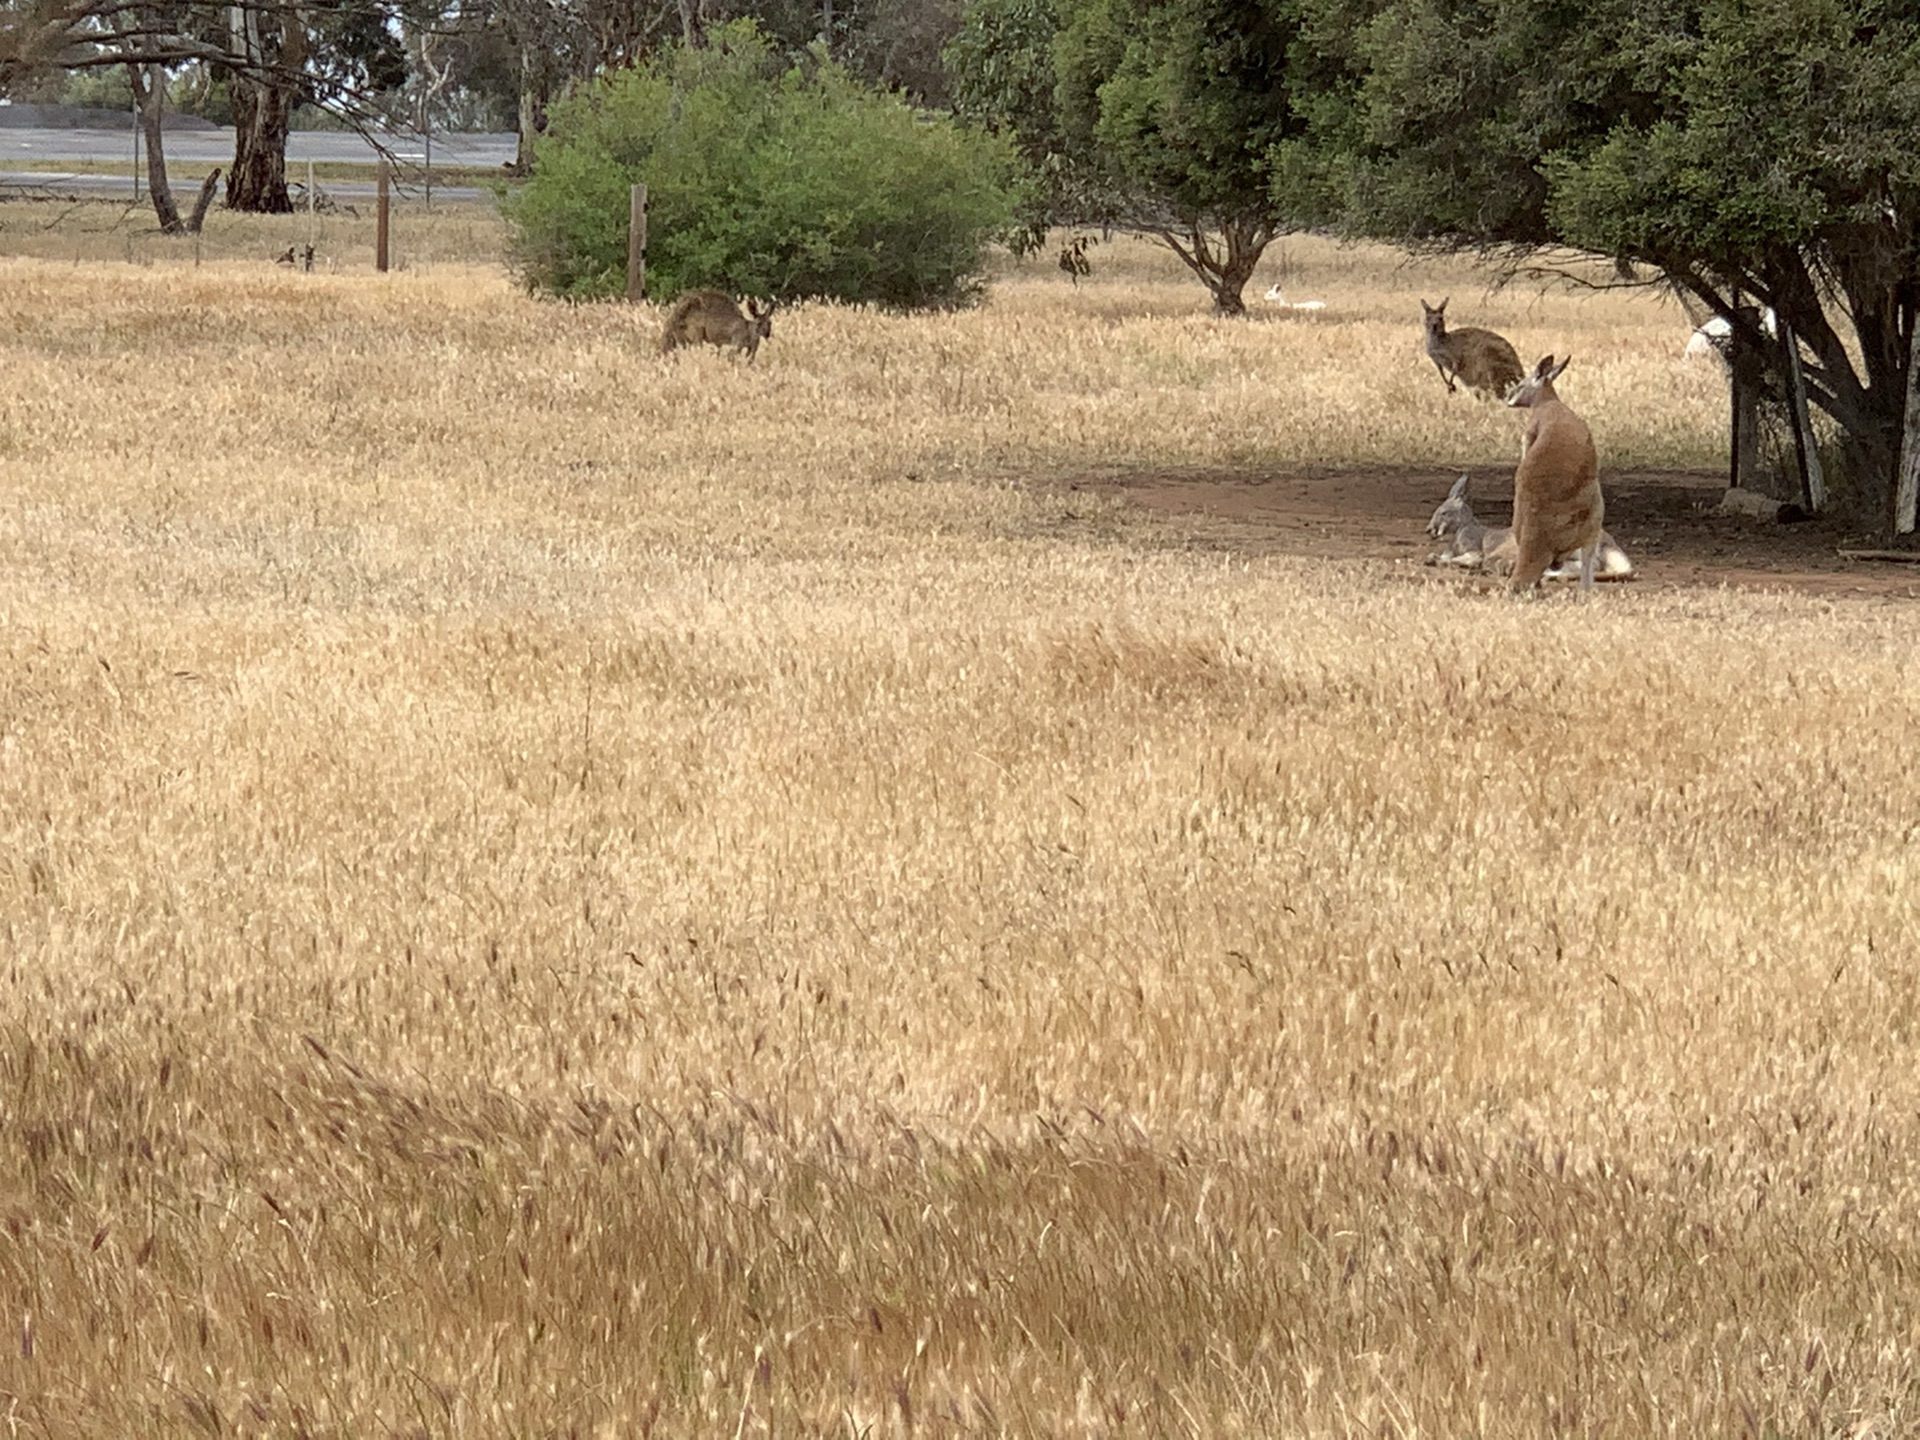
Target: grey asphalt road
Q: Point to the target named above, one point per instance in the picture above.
(191, 152)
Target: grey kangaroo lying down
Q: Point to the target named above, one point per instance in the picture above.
(1492, 548)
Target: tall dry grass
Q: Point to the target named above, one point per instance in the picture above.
(548, 892)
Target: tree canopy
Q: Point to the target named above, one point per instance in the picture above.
(1158, 114)
(273, 54)
(353, 53)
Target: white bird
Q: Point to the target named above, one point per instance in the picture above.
(1713, 336)
(1277, 298)
(1707, 339)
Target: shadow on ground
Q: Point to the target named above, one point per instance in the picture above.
(1662, 518)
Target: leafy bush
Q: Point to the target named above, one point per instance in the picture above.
(760, 182)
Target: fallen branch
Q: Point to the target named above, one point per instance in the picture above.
(1898, 557)
(199, 215)
(63, 214)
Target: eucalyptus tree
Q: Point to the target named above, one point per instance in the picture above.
(275, 54)
(339, 55)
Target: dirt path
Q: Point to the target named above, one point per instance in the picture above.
(1382, 515)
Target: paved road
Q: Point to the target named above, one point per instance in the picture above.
(191, 152)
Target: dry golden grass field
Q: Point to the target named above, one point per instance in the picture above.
(546, 892)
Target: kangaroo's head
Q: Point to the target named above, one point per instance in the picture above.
(1537, 388)
(760, 318)
(1435, 316)
(1454, 513)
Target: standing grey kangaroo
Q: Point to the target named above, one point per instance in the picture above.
(708, 317)
(1557, 505)
(1479, 359)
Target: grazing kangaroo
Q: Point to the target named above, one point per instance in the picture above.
(1557, 505)
(1476, 546)
(1479, 359)
(708, 317)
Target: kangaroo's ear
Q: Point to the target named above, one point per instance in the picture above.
(1554, 373)
(1459, 490)
(1544, 370)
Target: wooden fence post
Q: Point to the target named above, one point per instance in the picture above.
(1906, 490)
(380, 228)
(1813, 480)
(637, 243)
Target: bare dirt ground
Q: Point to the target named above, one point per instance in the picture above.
(1662, 520)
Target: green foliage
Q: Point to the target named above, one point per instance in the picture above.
(1172, 104)
(1000, 70)
(1793, 119)
(764, 182)
(1181, 99)
(102, 89)
(1430, 119)
(200, 89)
(1160, 114)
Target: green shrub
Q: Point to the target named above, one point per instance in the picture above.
(759, 182)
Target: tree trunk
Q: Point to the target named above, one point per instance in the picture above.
(262, 115)
(693, 23)
(533, 122)
(1869, 453)
(1862, 386)
(1243, 239)
(263, 108)
(1246, 241)
(1746, 375)
(536, 89)
(204, 202)
(1870, 412)
(1813, 485)
(1227, 302)
(149, 84)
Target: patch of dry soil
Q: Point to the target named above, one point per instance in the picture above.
(1661, 518)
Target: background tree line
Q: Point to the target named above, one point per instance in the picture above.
(452, 64)
(1748, 154)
